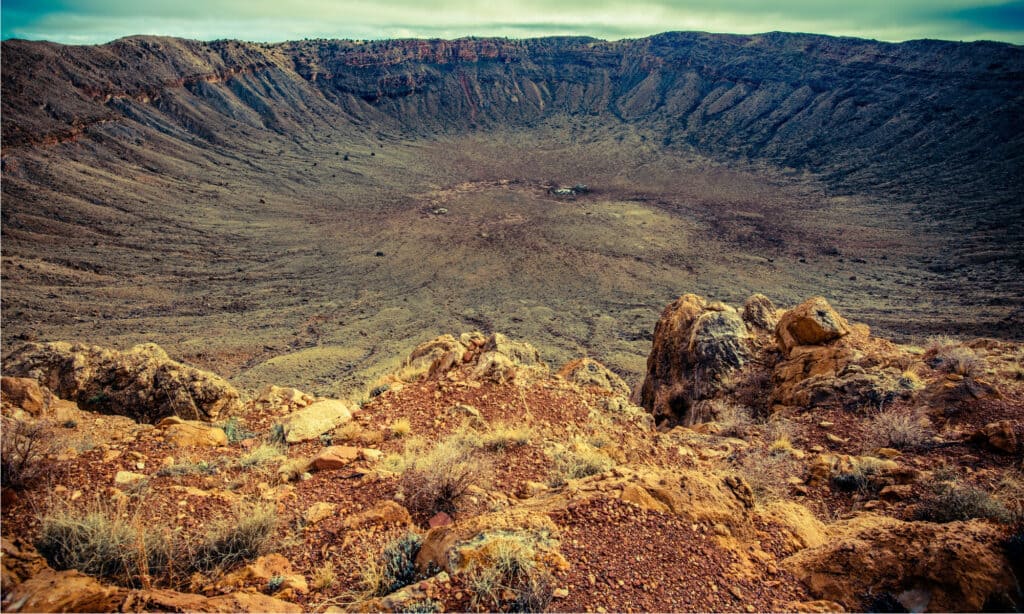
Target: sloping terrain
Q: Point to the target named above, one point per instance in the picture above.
(824, 469)
(305, 212)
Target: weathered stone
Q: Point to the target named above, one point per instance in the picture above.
(589, 373)
(26, 393)
(812, 322)
(335, 457)
(957, 565)
(63, 591)
(385, 512)
(695, 347)
(759, 311)
(143, 382)
(315, 420)
(319, 511)
(127, 478)
(195, 434)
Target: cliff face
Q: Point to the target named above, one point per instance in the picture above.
(901, 118)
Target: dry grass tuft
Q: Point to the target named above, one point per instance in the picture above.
(99, 541)
(436, 480)
(401, 428)
(891, 428)
(578, 461)
(508, 578)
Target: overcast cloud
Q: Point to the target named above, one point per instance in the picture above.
(98, 21)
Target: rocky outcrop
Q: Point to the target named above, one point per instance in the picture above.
(696, 345)
(589, 373)
(812, 322)
(923, 566)
(495, 358)
(143, 382)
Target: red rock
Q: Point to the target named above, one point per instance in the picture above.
(439, 519)
(335, 457)
(813, 322)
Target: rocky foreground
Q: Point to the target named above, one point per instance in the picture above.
(770, 460)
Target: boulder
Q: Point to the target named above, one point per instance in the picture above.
(385, 512)
(927, 567)
(63, 591)
(277, 397)
(191, 433)
(696, 346)
(432, 358)
(760, 312)
(588, 373)
(319, 511)
(26, 393)
(143, 382)
(1006, 436)
(164, 600)
(263, 569)
(335, 457)
(813, 322)
(315, 420)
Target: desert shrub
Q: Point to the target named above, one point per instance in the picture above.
(862, 478)
(23, 446)
(401, 427)
(733, 419)
(260, 456)
(896, 429)
(232, 541)
(952, 501)
(579, 461)
(504, 436)
(393, 569)
(235, 431)
(96, 540)
(509, 578)
(324, 576)
(398, 563)
(752, 389)
(766, 474)
(276, 436)
(436, 480)
(954, 357)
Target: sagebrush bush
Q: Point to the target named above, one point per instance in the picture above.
(398, 563)
(578, 461)
(954, 357)
(98, 541)
(891, 428)
(243, 537)
(401, 427)
(437, 480)
(23, 446)
(504, 436)
(952, 501)
(733, 419)
(509, 578)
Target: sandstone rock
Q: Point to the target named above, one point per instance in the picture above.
(271, 396)
(371, 455)
(163, 600)
(432, 358)
(26, 393)
(127, 478)
(315, 420)
(589, 373)
(263, 569)
(385, 512)
(319, 511)
(63, 591)
(760, 312)
(957, 565)
(695, 346)
(812, 322)
(193, 434)
(335, 457)
(142, 382)
(638, 495)
(440, 519)
(1005, 436)
(18, 562)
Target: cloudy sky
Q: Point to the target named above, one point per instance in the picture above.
(98, 21)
